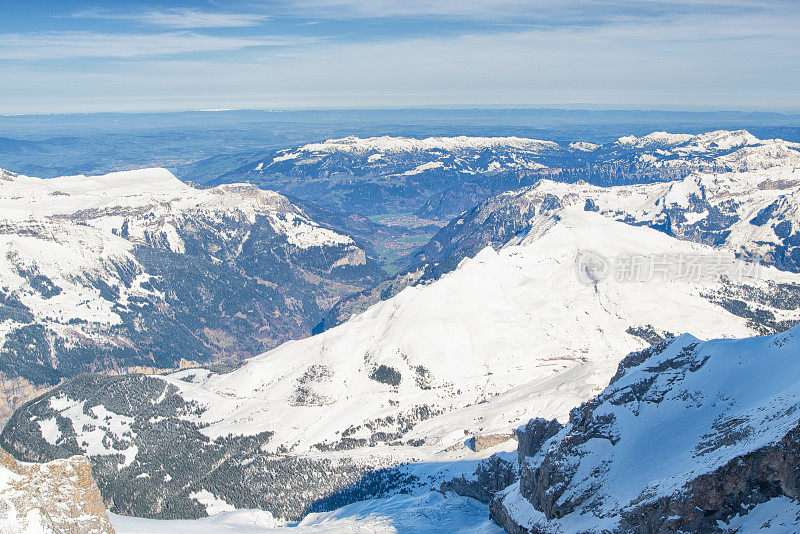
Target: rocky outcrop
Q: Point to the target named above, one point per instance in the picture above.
(14, 392)
(480, 442)
(492, 475)
(533, 434)
(688, 437)
(58, 497)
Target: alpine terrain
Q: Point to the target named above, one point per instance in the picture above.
(406, 408)
(690, 436)
(137, 270)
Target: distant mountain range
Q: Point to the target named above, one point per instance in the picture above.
(439, 178)
(753, 212)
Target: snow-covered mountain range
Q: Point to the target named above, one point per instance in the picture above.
(522, 306)
(440, 177)
(137, 269)
(753, 214)
(506, 336)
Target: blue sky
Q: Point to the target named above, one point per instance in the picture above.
(68, 56)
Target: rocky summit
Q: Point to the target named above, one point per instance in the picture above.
(690, 436)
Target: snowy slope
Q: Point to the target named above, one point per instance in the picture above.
(688, 436)
(755, 214)
(417, 514)
(506, 336)
(520, 318)
(511, 333)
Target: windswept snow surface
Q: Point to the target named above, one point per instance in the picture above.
(401, 514)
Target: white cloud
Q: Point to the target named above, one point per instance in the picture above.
(182, 18)
(562, 11)
(64, 45)
(650, 65)
(739, 59)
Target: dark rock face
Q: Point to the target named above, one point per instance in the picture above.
(734, 488)
(502, 517)
(481, 442)
(532, 436)
(492, 475)
(733, 468)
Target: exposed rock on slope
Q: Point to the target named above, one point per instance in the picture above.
(492, 475)
(690, 436)
(59, 497)
(138, 270)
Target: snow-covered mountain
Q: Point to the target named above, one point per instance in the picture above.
(440, 177)
(137, 269)
(755, 214)
(690, 436)
(509, 334)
